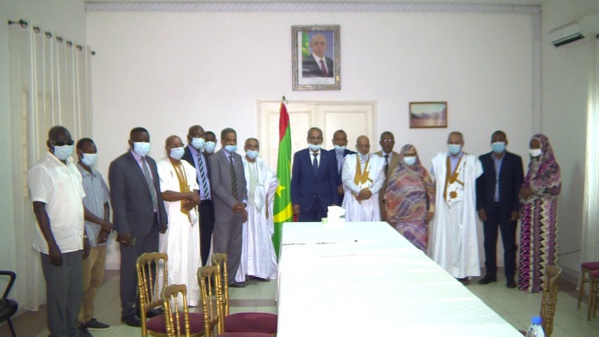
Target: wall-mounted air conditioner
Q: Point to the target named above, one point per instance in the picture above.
(574, 31)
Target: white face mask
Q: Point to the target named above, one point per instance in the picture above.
(209, 147)
(177, 153)
(535, 152)
(363, 157)
(409, 160)
(198, 143)
(252, 154)
(339, 149)
(141, 148)
(63, 152)
(89, 159)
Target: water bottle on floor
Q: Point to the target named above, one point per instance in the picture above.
(535, 329)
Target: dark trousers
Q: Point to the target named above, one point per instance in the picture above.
(497, 221)
(228, 240)
(312, 215)
(128, 282)
(64, 293)
(206, 227)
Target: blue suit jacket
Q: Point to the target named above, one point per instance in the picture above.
(304, 185)
(510, 180)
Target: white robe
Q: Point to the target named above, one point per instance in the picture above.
(181, 242)
(365, 210)
(258, 257)
(453, 240)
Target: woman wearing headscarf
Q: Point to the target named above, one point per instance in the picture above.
(538, 215)
(410, 198)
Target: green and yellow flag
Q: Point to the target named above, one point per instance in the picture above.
(283, 211)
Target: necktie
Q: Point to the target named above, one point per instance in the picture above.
(233, 177)
(148, 176)
(315, 164)
(203, 179)
(323, 69)
(386, 163)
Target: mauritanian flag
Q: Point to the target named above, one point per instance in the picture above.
(283, 211)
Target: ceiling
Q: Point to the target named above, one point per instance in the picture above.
(504, 2)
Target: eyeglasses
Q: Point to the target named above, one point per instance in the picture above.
(63, 143)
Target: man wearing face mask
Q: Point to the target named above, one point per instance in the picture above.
(313, 180)
(340, 151)
(179, 189)
(363, 178)
(230, 197)
(139, 215)
(258, 258)
(497, 203)
(210, 144)
(195, 154)
(97, 230)
(454, 244)
(57, 194)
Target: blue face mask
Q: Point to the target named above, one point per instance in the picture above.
(197, 143)
(409, 160)
(454, 148)
(63, 152)
(231, 148)
(314, 147)
(177, 153)
(141, 148)
(339, 149)
(89, 159)
(209, 147)
(252, 154)
(498, 147)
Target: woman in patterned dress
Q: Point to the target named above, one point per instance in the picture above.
(410, 198)
(538, 215)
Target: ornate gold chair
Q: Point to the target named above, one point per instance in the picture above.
(244, 321)
(593, 293)
(549, 301)
(585, 269)
(179, 323)
(209, 280)
(148, 266)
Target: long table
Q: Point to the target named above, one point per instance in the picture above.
(361, 279)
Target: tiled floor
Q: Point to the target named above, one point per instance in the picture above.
(514, 306)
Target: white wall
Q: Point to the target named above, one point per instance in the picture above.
(565, 90)
(169, 70)
(64, 18)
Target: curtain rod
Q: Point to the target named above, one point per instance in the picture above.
(37, 30)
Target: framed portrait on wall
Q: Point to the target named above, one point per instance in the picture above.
(428, 115)
(316, 57)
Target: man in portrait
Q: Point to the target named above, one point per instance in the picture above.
(317, 64)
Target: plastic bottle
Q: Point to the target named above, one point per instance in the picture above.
(535, 329)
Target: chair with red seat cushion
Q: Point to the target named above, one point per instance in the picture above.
(177, 323)
(149, 266)
(593, 293)
(243, 321)
(212, 306)
(585, 269)
(549, 299)
(8, 307)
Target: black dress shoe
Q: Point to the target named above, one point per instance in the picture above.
(488, 279)
(237, 285)
(132, 320)
(511, 283)
(151, 313)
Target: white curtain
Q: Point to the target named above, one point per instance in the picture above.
(590, 231)
(49, 85)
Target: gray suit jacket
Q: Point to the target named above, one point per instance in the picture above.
(130, 197)
(220, 181)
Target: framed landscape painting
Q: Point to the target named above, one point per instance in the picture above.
(428, 115)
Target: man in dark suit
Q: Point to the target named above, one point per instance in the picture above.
(138, 214)
(313, 180)
(497, 203)
(230, 199)
(340, 151)
(317, 64)
(387, 142)
(193, 155)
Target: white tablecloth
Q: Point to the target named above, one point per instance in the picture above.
(365, 279)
